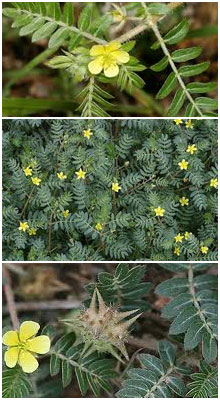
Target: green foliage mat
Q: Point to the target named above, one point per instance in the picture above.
(143, 157)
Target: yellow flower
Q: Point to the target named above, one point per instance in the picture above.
(61, 176)
(183, 164)
(191, 149)
(204, 249)
(179, 238)
(36, 181)
(66, 213)
(214, 183)
(27, 171)
(189, 124)
(107, 58)
(187, 235)
(98, 226)
(115, 187)
(23, 346)
(184, 201)
(178, 121)
(87, 133)
(23, 226)
(118, 15)
(177, 251)
(159, 211)
(185, 179)
(80, 174)
(32, 231)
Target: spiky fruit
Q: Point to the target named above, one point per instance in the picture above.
(102, 328)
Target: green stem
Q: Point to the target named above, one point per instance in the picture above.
(173, 66)
(163, 378)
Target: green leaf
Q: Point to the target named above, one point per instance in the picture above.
(45, 31)
(128, 46)
(178, 33)
(55, 364)
(161, 65)
(177, 103)
(172, 287)
(152, 362)
(168, 86)
(200, 87)
(192, 70)
(82, 381)
(66, 373)
(58, 37)
(22, 20)
(68, 13)
(36, 24)
(174, 306)
(167, 352)
(190, 110)
(85, 17)
(10, 12)
(206, 103)
(183, 55)
(185, 318)
(193, 335)
(209, 347)
(158, 9)
(176, 385)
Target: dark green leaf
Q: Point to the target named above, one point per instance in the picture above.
(161, 65)
(206, 103)
(177, 103)
(183, 320)
(168, 86)
(193, 335)
(178, 33)
(209, 347)
(200, 87)
(172, 287)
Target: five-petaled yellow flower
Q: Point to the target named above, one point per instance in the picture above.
(178, 121)
(177, 251)
(87, 133)
(80, 174)
(204, 249)
(27, 171)
(189, 124)
(115, 187)
(183, 164)
(98, 226)
(23, 226)
(36, 181)
(61, 176)
(23, 346)
(107, 58)
(191, 149)
(214, 183)
(159, 211)
(32, 231)
(179, 238)
(66, 213)
(184, 201)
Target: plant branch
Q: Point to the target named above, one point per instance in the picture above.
(27, 202)
(10, 298)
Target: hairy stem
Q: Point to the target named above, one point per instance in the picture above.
(163, 378)
(195, 301)
(172, 64)
(10, 298)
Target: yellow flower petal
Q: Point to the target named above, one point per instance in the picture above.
(11, 357)
(96, 66)
(111, 70)
(39, 344)
(112, 46)
(97, 50)
(27, 361)
(121, 56)
(10, 338)
(28, 329)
